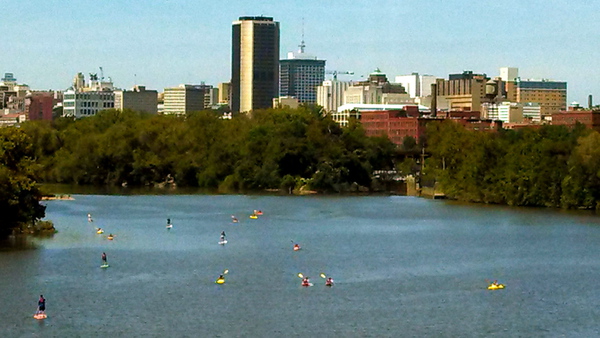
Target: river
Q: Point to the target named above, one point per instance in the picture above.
(403, 267)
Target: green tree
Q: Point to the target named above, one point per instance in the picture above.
(19, 196)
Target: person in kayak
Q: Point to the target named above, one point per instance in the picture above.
(104, 258)
(296, 247)
(234, 219)
(305, 281)
(41, 305)
(329, 281)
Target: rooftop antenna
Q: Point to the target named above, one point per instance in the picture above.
(302, 45)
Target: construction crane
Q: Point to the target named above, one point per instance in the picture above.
(336, 72)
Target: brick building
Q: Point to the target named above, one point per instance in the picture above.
(399, 124)
(39, 106)
(589, 118)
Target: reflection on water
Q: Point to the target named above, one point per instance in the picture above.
(18, 242)
(403, 267)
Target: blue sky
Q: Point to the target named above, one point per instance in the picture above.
(168, 42)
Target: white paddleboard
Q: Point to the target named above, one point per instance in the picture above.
(223, 242)
(104, 266)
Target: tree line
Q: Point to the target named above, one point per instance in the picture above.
(274, 149)
(552, 166)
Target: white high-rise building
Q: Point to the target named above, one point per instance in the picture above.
(416, 85)
(509, 73)
(87, 99)
(330, 95)
(82, 104)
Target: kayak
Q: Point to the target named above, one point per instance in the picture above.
(110, 238)
(495, 287)
(307, 284)
(100, 231)
(328, 284)
(253, 216)
(259, 213)
(220, 281)
(296, 248)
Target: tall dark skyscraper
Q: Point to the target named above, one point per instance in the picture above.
(300, 75)
(255, 63)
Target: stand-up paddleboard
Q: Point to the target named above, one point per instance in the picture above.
(104, 266)
(169, 226)
(40, 316)
(223, 242)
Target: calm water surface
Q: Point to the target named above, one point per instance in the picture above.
(404, 267)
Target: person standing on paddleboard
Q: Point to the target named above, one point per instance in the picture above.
(41, 305)
(104, 258)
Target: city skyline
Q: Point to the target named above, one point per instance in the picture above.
(168, 43)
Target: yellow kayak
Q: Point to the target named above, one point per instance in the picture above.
(100, 231)
(253, 216)
(495, 286)
(220, 281)
(110, 238)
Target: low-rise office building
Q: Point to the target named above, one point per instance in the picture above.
(138, 99)
(184, 99)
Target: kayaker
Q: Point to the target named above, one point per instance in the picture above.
(296, 247)
(305, 281)
(495, 283)
(329, 281)
(234, 219)
(41, 305)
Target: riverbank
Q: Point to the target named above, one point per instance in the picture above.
(57, 197)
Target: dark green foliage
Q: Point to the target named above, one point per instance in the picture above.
(19, 197)
(273, 149)
(551, 166)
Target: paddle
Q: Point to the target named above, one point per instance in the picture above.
(225, 272)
